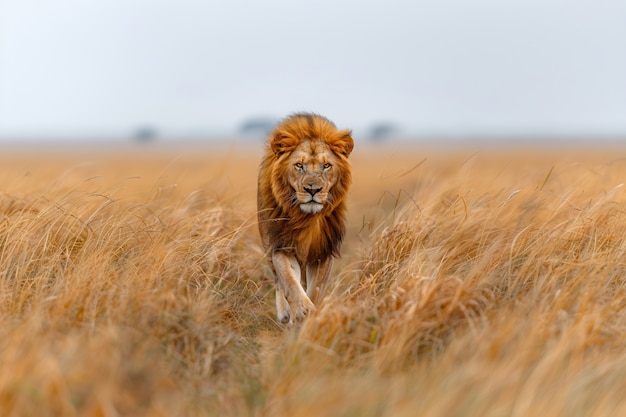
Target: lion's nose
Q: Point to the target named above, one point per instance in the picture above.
(312, 189)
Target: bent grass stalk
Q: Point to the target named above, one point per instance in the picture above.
(482, 286)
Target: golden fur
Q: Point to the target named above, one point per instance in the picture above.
(303, 181)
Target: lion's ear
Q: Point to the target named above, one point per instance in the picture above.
(343, 144)
(282, 143)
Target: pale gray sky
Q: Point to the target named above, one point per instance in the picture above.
(444, 67)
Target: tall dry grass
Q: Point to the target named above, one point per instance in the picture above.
(490, 284)
(123, 294)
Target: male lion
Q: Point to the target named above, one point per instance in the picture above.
(303, 181)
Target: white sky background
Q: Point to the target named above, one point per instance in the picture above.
(71, 68)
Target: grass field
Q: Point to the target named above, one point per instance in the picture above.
(489, 283)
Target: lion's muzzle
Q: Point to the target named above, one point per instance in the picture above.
(312, 199)
(312, 189)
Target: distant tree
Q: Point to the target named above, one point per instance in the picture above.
(383, 130)
(258, 126)
(145, 134)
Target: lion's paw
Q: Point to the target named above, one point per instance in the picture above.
(284, 315)
(304, 308)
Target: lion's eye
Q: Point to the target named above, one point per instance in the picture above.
(299, 165)
(327, 166)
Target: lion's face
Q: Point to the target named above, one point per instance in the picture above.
(312, 171)
(306, 170)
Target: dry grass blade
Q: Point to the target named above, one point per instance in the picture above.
(136, 285)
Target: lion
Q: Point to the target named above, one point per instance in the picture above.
(303, 182)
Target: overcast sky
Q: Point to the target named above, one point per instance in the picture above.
(439, 67)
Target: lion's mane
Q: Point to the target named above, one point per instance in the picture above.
(282, 224)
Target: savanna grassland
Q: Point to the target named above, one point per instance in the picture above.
(472, 283)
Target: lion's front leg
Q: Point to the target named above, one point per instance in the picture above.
(316, 277)
(283, 311)
(291, 299)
